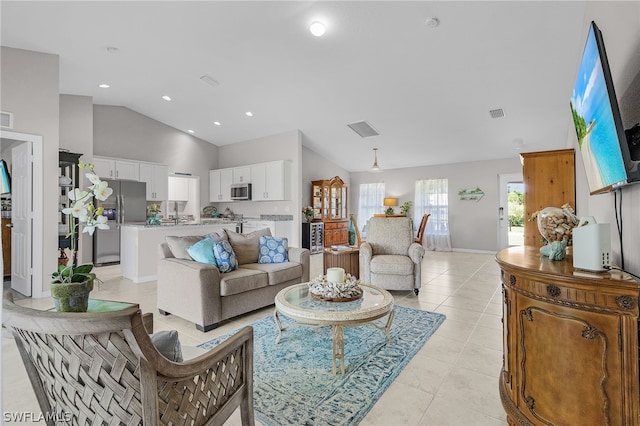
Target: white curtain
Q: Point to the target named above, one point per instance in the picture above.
(370, 201)
(432, 197)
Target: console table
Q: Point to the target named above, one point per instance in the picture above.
(570, 342)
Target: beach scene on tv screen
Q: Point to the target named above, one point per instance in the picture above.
(593, 119)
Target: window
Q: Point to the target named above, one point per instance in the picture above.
(370, 200)
(432, 197)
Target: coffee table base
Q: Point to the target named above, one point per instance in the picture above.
(337, 332)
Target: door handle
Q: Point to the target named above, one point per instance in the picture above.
(9, 225)
(501, 213)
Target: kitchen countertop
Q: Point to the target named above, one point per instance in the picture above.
(181, 225)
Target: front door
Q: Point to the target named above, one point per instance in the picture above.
(21, 218)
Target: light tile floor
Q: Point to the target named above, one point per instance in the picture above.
(453, 380)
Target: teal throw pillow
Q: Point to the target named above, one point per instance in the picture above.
(202, 252)
(225, 258)
(273, 250)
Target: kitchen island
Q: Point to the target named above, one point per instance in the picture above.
(139, 245)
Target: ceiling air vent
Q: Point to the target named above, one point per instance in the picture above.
(364, 129)
(497, 113)
(209, 80)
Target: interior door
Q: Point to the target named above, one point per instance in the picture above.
(22, 217)
(503, 207)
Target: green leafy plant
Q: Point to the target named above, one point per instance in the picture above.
(82, 211)
(405, 207)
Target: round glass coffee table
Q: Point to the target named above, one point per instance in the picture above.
(296, 303)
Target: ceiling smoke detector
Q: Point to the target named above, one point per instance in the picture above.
(432, 22)
(364, 129)
(496, 113)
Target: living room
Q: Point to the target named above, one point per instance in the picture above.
(31, 91)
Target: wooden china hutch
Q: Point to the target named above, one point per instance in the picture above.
(329, 200)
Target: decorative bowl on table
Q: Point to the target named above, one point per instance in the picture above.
(322, 289)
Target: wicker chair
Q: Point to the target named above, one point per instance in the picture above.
(101, 368)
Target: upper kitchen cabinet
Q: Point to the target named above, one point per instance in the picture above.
(242, 174)
(220, 185)
(110, 168)
(156, 178)
(271, 181)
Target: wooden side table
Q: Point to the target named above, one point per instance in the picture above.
(345, 259)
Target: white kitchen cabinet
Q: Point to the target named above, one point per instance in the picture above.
(178, 188)
(271, 181)
(242, 174)
(111, 168)
(156, 178)
(220, 185)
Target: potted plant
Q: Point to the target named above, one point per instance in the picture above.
(404, 208)
(154, 214)
(71, 285)
(308, 213)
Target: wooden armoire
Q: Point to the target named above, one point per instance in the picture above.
(549, 181)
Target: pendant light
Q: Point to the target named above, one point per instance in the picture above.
(375, 167)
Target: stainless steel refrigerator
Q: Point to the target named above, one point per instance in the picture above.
(127, 204)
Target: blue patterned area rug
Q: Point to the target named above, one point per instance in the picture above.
(293, 383)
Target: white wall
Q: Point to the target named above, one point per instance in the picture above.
(620, 26)
(122, 133)
(473, 225)
(30, 90)
(76, 135)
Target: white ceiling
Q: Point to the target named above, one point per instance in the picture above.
(428, 91)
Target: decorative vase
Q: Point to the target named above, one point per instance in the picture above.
(154, 219)
(556, 224)
(352, 233)
(71, 297)
(308, 217)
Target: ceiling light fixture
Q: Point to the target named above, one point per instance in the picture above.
(249, 114)
(432, 22)
(190, 131)
(103, 86)
(166, 98)
(317, 28)
(375, 167)
(217, 123)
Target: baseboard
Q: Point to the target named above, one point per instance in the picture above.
(461, 250)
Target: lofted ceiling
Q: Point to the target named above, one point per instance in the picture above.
(427, 91)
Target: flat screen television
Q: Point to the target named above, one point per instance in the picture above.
(596, 116)
(5, 178)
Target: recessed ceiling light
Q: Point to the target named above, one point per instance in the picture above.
(166, 97)
(103, 86)
(217, 123)
(317, 28)
(190, 131)
(249, 114)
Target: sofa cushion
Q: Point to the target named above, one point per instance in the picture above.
(247, 246)
(168, 344)
(218, 236)
(179, 245)
(273, 250)
(225, 257)
(242, 280)
(202, 251)
(278, 273)
(391, 264)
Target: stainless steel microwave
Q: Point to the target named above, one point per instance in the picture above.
(241, 191)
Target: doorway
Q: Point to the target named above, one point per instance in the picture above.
(510, 210)
(26, 154)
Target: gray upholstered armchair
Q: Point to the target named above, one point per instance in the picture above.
(389, 258)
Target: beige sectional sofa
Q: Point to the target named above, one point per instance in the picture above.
(200, 293)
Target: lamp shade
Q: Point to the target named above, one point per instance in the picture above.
(390, 202)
